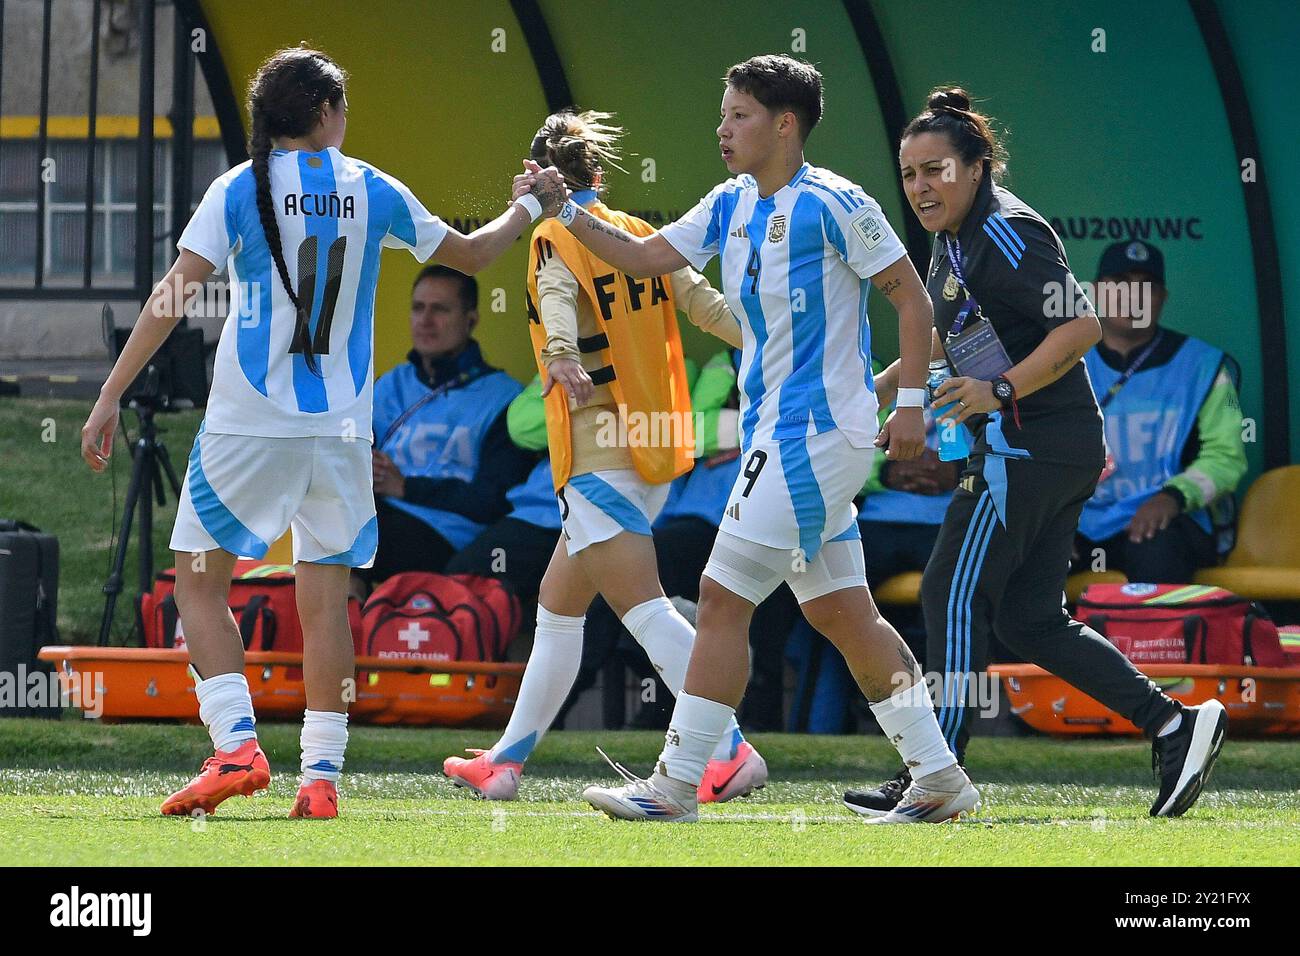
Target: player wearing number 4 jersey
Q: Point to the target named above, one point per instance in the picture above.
(286, 439)
(799, 249)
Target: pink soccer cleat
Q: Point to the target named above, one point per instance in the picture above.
(489, 780)
(740, 776)
(243, 770)
(318, 800)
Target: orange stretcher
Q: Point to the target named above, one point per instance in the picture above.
(1261, 701)
(136, 683)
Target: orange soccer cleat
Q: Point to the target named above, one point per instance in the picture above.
(491, 781)
(317, 799)
(243, 770)
(740, 776)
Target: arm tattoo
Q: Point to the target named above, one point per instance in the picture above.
(550, 194)
(595, 225)
(1065, 362)
(890, 287)
(905, 654)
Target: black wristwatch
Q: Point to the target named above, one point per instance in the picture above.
(1004, 391)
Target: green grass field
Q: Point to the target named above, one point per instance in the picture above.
(44, 482)
(80, 793)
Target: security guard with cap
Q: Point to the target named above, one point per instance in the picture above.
(1173, 431)
(1014, 325)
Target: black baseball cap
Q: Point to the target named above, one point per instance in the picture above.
(1132, 256)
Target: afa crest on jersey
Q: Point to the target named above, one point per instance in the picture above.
(776, 229)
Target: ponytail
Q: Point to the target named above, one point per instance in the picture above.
(579, 145)
(284, 99)
(261, 152)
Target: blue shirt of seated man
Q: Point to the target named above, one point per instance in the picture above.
(443, 458)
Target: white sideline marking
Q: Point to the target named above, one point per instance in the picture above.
(847, 817)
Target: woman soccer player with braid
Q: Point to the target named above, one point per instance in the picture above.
(286, 441)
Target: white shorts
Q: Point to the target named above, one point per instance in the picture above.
(797, 494)
(242, 493)
(600, 504)
(754, 570)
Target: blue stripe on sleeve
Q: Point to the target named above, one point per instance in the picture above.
(831, 192)
(402, 226)
(1002, 245)
(723, 209)
(1007, 231)
(386, 212)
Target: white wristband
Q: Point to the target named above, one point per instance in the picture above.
(910, 398)
(530, 204)
(568, 212)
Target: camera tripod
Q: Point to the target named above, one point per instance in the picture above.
(149, 462)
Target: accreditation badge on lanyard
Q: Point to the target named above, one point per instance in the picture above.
(973, 347)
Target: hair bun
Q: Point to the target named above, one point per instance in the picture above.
(953, 98)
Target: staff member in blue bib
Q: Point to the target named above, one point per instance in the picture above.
(1014, 326)
(443, 458)
(1173, 428)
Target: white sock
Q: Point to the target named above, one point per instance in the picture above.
(552, 669)
(668, 638)
(908, 720)
(226, 709)
(324, 738)
(693, 733)
(1174, 723)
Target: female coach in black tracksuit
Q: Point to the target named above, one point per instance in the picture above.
(1003, 553)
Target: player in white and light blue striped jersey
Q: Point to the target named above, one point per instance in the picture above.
(800, 248)
(286, 441)
(796, 268)
(334, 214)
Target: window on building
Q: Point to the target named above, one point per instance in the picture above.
(113, 250)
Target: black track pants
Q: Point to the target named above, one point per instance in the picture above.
(999, 566)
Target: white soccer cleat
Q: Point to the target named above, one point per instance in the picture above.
(639, 800)
(945, 798)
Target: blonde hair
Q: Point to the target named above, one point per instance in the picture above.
(579, 145)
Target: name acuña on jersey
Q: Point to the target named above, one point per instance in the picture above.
(320, 204)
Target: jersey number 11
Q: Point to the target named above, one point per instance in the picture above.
(307, 290)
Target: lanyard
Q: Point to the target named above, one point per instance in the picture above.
(1131, 370)
(970, 305)
(464, 378)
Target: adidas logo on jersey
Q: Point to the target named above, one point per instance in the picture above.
(741, 233)
(734, 512)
